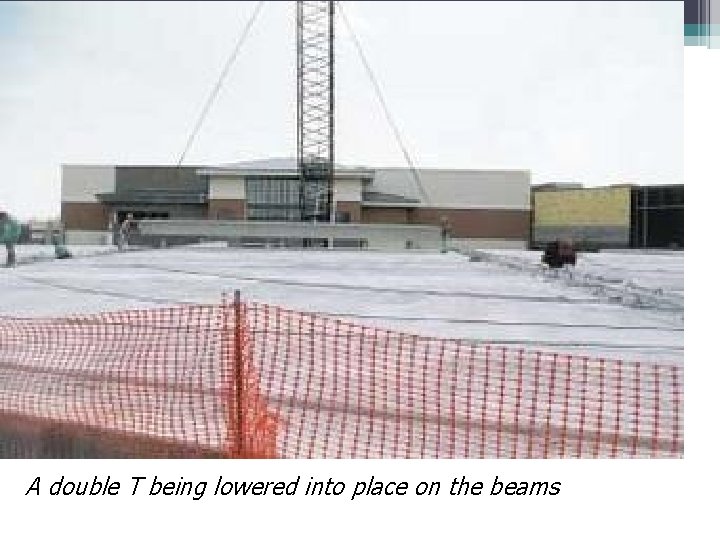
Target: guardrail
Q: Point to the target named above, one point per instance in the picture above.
(349, 235)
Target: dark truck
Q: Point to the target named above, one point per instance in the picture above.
(558, 253)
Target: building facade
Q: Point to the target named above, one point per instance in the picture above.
(484, 208)
(620, 216)
(657, 217)
(590, 216)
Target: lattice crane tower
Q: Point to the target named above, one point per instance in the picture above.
(315, 108)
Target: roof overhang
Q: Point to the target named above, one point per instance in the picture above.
(152, 197)
(388, 200)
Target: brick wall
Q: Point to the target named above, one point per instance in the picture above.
(354, 210)
(465, 223)
(226, 209)
(386, 215)
(84, 216)
(479, 223)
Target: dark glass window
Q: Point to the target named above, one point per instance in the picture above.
(675, 196)
(655, 197)
(272, 198)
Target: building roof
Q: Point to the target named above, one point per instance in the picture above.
(283, 166)
(557, 186)
(280, 163)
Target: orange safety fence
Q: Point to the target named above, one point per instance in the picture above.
(169, 382)
(244, 379)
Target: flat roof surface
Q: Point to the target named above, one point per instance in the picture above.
(626, 305)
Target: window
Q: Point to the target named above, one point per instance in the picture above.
(269, 190)
(675, 196)
(272, 198)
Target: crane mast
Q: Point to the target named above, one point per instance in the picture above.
(315, 108)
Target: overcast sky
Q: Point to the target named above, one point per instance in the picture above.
(573, 91)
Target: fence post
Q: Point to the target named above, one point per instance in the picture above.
(239, 376)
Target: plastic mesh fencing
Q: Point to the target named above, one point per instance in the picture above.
(171, 382)
(344, 390)
(253, 380)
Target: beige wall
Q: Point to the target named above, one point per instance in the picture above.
(80, 183)
(226, 187)
(584, 207)
(349, 189)
(593, 216)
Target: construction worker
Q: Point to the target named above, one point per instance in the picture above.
(61, 252)
(124, 232)
(445, 232)
(9, 235)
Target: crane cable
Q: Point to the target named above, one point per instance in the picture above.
(383, 104)
(223, 74)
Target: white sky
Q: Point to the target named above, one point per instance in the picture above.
(574, 91)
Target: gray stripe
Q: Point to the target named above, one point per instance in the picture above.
(599, 235)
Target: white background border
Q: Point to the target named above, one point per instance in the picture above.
(599, 499)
